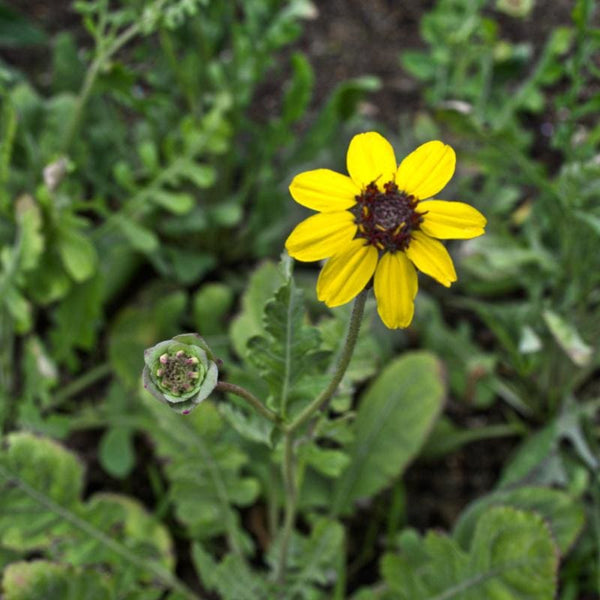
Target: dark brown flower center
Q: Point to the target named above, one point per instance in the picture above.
(386, 219)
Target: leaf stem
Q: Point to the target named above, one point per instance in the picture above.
(340, 370)
(243, 393)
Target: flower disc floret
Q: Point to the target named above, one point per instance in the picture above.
(180, 372)
(386, 219)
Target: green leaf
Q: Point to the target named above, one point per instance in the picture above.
(202, 176)
(418, 64)
(178, 203)
(77, 253)
(317, 556)
(211, 303)
(530, 455)
(563, 513)
(512, 557)
(116, 452)
(41, 510)
(326, 461)
(568, 339)
(138, 236)
(17, 31)
(78, 319)
(262, 285)
(299, 91)
(204, 465)
(43, 579)
(18, 307)
(231, 578)
(394, 418)
(291, 350)
(29, 219)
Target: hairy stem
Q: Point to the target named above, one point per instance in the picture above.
(291, 497)
(243, 393)
(289, 459)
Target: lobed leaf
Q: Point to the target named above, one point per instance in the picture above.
(41, 510)
(51, 581)
(565, 515)
(512, 556)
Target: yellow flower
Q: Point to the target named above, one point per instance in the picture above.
(378, 222)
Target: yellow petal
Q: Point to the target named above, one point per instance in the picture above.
(425, 172)
(430, 257)
(347, 273)
(371, 158)
(321, 236)
(395, 289)
(324, 190)
(451, 220)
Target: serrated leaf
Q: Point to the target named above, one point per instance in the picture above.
(51, 581)
(316, 558)
(231, 578)
(394, 418)
(292, 349)
(204, 467)
(512, 557)
(564, 514)
(262, 285)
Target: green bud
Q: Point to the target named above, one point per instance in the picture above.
(180, 372)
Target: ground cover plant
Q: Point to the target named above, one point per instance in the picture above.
(221, 375)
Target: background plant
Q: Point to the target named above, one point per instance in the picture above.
(143, 193)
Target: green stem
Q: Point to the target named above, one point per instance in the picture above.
(289, 459)
(291, 497)
(81, 383)
(243, 393)
(340, 370)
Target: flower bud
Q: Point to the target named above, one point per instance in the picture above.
(180, 372)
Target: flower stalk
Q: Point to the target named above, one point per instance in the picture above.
(231, 388)
(289, 458)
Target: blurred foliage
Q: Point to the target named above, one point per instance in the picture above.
(143, 193)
